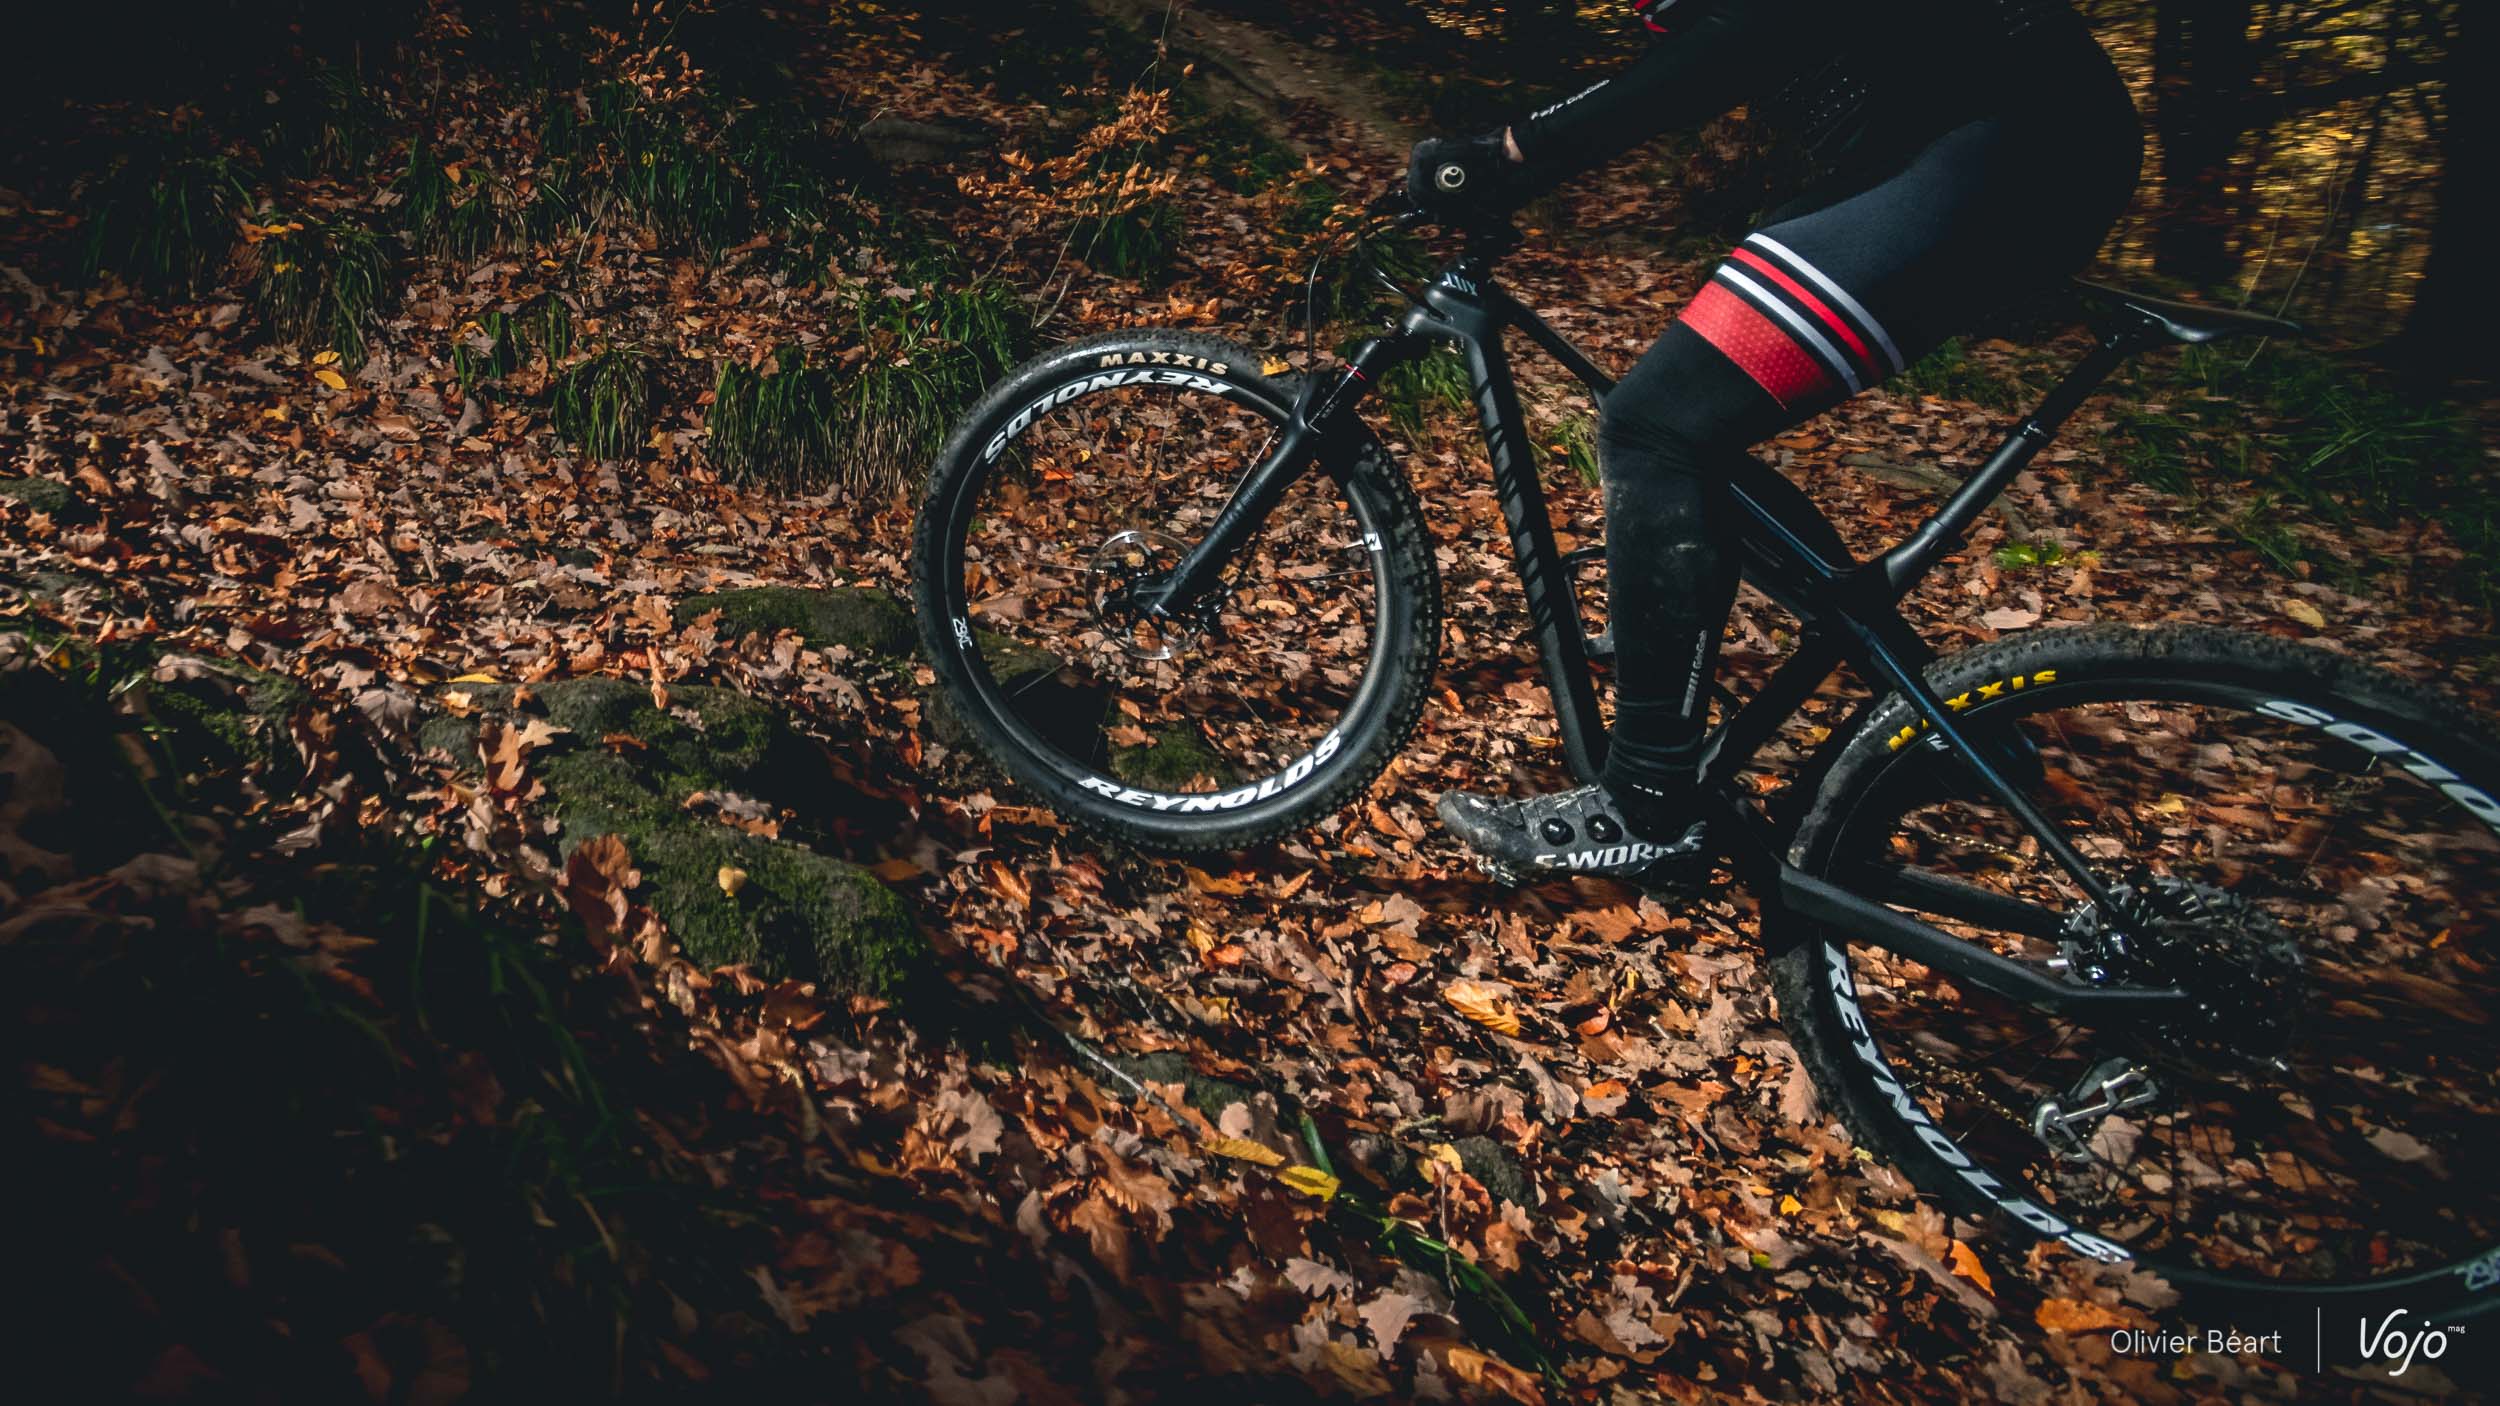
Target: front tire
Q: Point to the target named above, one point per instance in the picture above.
(1084, 472)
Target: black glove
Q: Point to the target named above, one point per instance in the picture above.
(1450, 176)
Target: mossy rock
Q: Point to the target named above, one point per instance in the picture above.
(798, 914)
(1209, 1096)
(732, 742)
(1174, 758)
(869, 622)
(43, 495)
(1491, 1163)
(229, 716)
(1066, 712)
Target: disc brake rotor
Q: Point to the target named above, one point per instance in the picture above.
(1124, 575)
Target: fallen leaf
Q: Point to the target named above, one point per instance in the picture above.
(2305, 613)
(330, 378)
(1482, 1004)
(731, 879)
(2077, 1316)
(1309, 1181)
(1244, 1150)
(1966, 1264)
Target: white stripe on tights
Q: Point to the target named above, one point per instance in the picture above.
(1838, 294)
(1831, 357)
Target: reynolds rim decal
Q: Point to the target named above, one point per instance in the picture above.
(1896, 1096)
(1208, 802)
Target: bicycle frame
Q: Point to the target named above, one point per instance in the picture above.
(1793, 553)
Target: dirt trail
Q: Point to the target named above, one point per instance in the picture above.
(1295, 87)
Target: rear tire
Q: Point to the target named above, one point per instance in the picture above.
(1853, 1019)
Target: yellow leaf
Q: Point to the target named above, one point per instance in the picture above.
(1893, 1221)
(327, 358)
(731, 879)
(1790, 1205)
(277, 413)
(1967, 1265)
(1483, 1005)
(1310, 1181)
(2305, 613)
(477, 676)
(1440, 1161)
(1275, 366)
(330, 378)
(1244, 1150)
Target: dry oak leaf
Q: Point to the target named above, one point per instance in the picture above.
(596, 879)
(1482, 1004)
(1485, 1370)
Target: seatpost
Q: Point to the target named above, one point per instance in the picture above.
(1944, 529)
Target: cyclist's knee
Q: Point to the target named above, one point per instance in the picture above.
(1639, 439)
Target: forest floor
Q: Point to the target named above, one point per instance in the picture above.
(945, 1193)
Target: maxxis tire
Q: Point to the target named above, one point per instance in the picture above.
(1810, 975)
(1405, 655)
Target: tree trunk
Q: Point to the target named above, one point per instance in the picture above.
(2203, 64)
(2448, 334)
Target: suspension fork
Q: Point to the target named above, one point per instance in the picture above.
(1320, 420)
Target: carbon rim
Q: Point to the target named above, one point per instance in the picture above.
(1073, 462)
(2359, 1143)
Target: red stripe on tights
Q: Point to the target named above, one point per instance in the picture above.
(1797, 291)
(1757, 346)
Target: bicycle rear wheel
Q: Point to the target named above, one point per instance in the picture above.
(2310, 848)
(1059, 504)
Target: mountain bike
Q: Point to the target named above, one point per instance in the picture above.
(2169, 945)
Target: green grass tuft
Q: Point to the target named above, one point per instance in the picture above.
(876, 424)
(493, 351)
(164, 218)
(324, 120)
(928, 357)
(1575, 440)
(602, 404)
(1950, 373)
(1417, 388)
(2306, 431)
(319, 284)
(459, 217)
(780, 422)
(1137, 243)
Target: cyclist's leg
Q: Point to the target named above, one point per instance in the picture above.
(1809, 310)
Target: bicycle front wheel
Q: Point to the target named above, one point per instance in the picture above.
(2311, 849)
(1061, 502)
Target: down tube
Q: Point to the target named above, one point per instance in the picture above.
(1552, 607)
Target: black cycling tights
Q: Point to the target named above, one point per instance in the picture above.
(1810, 309)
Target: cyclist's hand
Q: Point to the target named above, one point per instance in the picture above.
(1460, 176)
